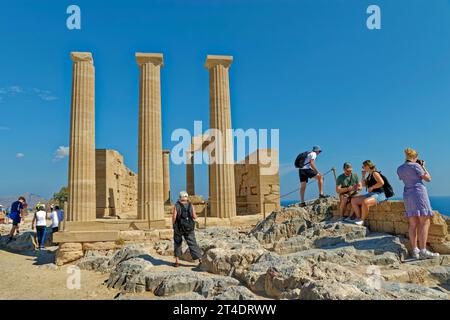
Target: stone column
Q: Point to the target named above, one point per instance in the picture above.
(222, 195)
(166, 176)
(150, 174)
(82, 201)
(190, 175)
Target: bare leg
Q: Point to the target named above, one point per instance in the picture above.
(424, 226)
(302, 191)
(13, 231)
(413, 224)
(367, 203)
(356, 205)
(343, 205)
(319, 179)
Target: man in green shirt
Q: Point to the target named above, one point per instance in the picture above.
(347, 186)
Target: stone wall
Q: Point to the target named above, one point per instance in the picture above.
(116, 185)
(72, 251)
(257, 192)
(389, 217)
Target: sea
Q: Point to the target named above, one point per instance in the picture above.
(439, 203)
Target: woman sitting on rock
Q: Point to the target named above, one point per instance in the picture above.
(417, 203)
(183, 220)
(375, 192)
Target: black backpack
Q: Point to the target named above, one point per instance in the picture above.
(185, 222)
(388, 190)
(300, 160)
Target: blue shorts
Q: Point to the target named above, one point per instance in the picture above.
(379, 197)
(15, 217)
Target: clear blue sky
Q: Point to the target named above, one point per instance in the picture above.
(310, 68)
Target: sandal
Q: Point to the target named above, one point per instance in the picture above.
(176, 264)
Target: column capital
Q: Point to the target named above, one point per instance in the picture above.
(81, 56)
(154, 58)
(213, 60)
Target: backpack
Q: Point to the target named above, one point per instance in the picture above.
(300, 160)
(184, 221)
(388, 190)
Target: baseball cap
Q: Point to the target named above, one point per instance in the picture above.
(317, 149)
(347, 165)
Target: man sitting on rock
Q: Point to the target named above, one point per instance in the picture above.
(347, 186)
(183, 220)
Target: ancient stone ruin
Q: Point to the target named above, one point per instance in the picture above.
(106, 198)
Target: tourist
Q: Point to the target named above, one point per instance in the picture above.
(54, 218)
(308, 170)
(347, 186)
(183, 220)
(40, 222)
(372, 180)
(60, 213)
(15, 215)
(417, 203)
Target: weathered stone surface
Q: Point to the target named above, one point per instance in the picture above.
(63, 257)
(442, 248)
(107, 245)
(25, 241)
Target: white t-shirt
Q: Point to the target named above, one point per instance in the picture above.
(55, 219)
(311, 156)
(41, 218)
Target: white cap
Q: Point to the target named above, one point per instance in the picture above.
(183, 194)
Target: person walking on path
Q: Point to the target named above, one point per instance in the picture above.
(375, 192)
(17, 208)
(347, 187)
(40, 222)
(183, 220)
(417, 203)
(308, 170)
(54, 218)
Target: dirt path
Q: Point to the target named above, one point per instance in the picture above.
(32, 275)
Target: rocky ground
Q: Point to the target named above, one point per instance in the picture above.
(295, 253)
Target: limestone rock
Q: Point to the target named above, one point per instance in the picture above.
(63, 257)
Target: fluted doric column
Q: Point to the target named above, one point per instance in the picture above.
(150, 176)
(82, 200)
(190, 175)
(166, 176)
(222, 196)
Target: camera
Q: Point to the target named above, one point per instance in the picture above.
(421, 162)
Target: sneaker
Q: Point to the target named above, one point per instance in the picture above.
(348, 219)
(322, 196)
(301, 205)
(415, 254)
(359, 222)
(425, 254)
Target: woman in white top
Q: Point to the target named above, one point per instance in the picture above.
(54, 218)
(40, 221)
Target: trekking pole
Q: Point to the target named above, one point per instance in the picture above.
(334, 173)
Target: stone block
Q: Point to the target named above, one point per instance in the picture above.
(401, 228)
(132, 235)
(152, 235)
(397, 206)
(166, 234)
(388, 227)
(63, 257)
(438, 230)
(107, 245)
(384, 206)
(441, 248)
(69, 246)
